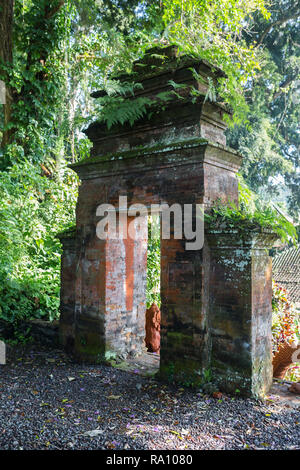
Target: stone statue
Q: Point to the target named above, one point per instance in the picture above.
(152, 339)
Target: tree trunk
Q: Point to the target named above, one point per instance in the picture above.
(6, 59)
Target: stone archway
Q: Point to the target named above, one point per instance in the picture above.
(216, 301)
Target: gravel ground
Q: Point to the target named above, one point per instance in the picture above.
(47, 402)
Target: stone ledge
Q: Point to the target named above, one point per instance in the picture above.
(162, 155)
(243, 237)
(142, 151)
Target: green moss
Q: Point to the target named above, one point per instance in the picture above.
(88, 348)
(179, 339)
(236, 369)
(147, 71)
(229, 380)
(183, 371)
(143, 151)
(253, 217)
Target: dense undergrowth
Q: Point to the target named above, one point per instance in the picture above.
(33, 210)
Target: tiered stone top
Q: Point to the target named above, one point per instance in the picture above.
(183, 117)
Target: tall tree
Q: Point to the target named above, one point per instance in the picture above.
(6, 59)
(271, 145)
(34, 31)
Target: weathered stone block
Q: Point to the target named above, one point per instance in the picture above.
(241, 310)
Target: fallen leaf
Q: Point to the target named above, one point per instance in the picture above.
(185, 431)
(176, 434)
(110, 445)
(93, 433)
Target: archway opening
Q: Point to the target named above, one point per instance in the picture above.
(153, 295)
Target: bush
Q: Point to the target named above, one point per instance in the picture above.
(34, 208)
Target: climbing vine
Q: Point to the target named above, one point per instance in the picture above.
(252, 213)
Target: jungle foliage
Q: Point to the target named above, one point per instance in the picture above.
(270, 140)
(250, 214)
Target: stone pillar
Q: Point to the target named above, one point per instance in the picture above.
(103, 294)
(185, 338)
(90, 285)
(69, 267)
(125, 291)
(240, 310)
